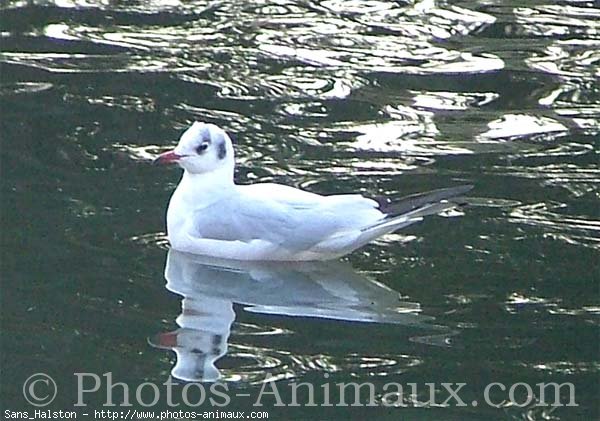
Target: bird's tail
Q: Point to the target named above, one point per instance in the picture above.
(398, 215)
(411, 209)
(423, 204)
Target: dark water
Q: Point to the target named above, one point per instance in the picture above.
(333, 96)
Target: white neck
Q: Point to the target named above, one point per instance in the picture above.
(205, 188)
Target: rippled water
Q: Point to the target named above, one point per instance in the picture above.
(333, 96)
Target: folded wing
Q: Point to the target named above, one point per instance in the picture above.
(290, 218)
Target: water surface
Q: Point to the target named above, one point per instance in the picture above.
(382, 98)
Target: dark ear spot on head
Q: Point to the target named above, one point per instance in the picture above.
(222, 150)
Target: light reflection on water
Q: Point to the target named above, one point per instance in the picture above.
(571, 229)
(378, 97)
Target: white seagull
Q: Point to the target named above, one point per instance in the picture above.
(211, 215)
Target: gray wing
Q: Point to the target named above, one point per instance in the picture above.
(291, 218)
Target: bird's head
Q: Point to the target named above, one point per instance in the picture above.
(202, 148)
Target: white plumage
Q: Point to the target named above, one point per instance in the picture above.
(211, 215)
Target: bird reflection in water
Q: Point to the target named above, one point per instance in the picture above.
(210, 287)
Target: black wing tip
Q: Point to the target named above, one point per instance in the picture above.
(462, 189)
(414, 201)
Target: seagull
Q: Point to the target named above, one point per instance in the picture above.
(209, 214)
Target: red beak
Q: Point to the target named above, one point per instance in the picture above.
(167, 158)
(167, 340)
(164, 340)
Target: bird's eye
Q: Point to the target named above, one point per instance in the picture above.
(203, 146)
